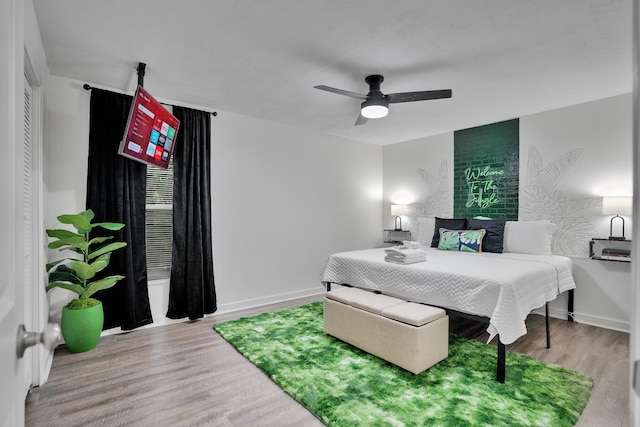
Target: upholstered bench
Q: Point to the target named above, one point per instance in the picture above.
(410, 335)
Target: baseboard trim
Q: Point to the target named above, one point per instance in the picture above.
(231, 307)
(603, 322)
(271, 299)
(587, 319)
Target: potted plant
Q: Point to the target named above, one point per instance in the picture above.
(83, 317)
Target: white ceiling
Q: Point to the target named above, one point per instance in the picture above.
(502, 58)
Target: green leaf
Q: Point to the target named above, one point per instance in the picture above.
(98, 265)
(78, 289)
(50, 265)
(64, 274)
(88, 214)
(76, 242)
(97, 240)
(81, 268)
(63, 234)
(74, 274)
(79, 221)
(107, 248)
(86, 271)
(101, 284)
(113, 226)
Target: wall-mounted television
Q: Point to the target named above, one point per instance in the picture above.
(151, 131)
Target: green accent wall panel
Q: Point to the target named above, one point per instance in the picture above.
(486, 170)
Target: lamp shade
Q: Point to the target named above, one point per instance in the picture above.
(617, 205)
(398, 210)
(374, 111)
(374, 107)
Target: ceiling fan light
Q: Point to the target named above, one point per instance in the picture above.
(373, 111)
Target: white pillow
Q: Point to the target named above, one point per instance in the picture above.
(425, 232)
(528, 237)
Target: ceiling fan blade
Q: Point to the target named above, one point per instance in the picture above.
(360, 120)
(425, 95)
(341, 92)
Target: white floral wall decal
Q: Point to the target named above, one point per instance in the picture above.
(439, 198)
(540, 200)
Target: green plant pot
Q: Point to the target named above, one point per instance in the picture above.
(81, 328)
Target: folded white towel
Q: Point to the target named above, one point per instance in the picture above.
(404, 261)
(405, 251)
(408, 257)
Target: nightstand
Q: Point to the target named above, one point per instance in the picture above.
(610, 250)
(396, 236)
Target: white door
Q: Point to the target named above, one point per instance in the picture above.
(13, 391)
(634, 356)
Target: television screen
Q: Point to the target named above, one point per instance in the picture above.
(151, 131)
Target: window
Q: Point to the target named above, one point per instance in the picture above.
(159, 216)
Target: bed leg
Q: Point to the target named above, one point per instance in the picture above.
(328, 286)
(546, 315)
(500, 369)
(570, 306)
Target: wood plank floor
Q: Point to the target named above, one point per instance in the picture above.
(185, 374)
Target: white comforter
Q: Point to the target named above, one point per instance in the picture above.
(503, 287)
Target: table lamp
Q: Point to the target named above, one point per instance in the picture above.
(616, 206)
(398, 211)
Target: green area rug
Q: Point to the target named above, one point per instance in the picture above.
(344, 386)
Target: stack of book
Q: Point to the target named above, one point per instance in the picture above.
(616, 254)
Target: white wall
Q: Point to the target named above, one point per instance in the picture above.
(283, 199)
(65, 163)
(599, 134)
(603, 294)
(402, 160)
(418, 173)
(603, 130)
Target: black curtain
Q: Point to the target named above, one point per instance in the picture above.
(116, 193)
(192, 289)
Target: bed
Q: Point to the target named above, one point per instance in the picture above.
(498, 288)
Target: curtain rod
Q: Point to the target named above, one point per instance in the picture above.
(87, 86)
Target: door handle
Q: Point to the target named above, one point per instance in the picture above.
(49, 337)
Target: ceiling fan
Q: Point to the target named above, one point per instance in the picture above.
(376, 104)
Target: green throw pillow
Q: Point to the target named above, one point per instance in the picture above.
(461, 240)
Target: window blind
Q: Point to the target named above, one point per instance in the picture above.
(159, 223)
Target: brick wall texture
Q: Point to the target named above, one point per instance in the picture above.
(486, 170)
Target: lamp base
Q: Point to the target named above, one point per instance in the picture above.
(611, 229)
(397, 223)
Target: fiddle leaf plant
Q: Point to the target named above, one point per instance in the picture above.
(78, 274)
